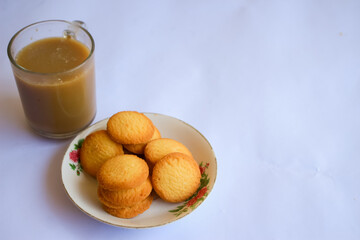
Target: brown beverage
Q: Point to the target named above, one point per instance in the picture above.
(60, 97)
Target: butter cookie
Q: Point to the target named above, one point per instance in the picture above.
(96, 149)
(130, 212)
(176, 177)
(130, 127)
(122, 172)
(125, 197)
(159, 148)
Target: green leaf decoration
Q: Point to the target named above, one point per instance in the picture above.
(178, 208)
(79, 167)
(79, 144)
(204, 181)
(73, 167)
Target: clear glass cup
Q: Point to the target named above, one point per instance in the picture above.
(60, 104)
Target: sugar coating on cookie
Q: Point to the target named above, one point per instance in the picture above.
(122, 172)
(125, 197)
(130, 127)
(130, 212)
(176, 177)
(139, 148)
(159, 148)
(96, 149)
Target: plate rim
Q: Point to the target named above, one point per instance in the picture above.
(142, 226)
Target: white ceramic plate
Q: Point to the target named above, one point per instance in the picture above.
(82, 188)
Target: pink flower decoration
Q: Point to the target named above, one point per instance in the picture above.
(202, 169)
(74, 155)
(198, 196)
(191, 202)
(201, 192)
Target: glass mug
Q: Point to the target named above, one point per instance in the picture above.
(58, 101)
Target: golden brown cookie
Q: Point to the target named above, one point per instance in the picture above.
(122, 172)
(139, 148)
(130, 212)
(130, 127)
(176, 177)
(158, 148)
(96, 149)
(125, 197)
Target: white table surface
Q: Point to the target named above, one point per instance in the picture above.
(273, 85)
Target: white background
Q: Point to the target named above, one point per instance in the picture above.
(273, 85)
